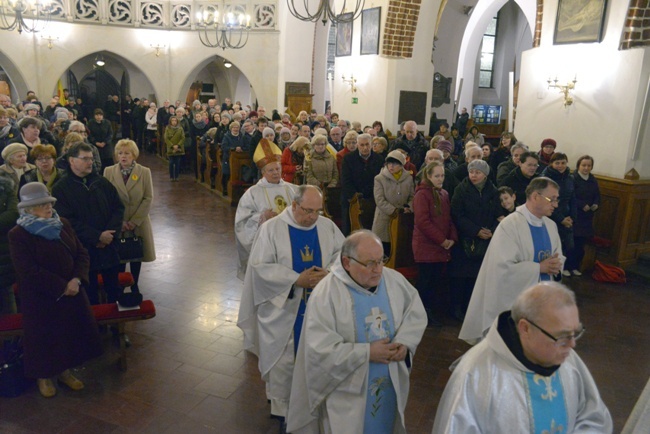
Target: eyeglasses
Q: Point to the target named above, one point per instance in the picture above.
(549, 200)
(562, 341)
(371, 264)
(44, 159)
(86, 159)
(311, 211)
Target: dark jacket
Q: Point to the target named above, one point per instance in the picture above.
(587, 193)
(101, 132)
(567, 201)
(473, 210)
(461, 172)
(433, 225)
(449, 184)
(230, 143)
(518, 182)
(358, 175)
(504, 169)
(59, 333)
(416, 148)
(499, 156)
(92, 205)
(8, 217)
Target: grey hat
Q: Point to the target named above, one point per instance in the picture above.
(31, 107)
(62, 115)
(34, 193)
(479, 165)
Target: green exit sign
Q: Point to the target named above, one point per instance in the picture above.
(355, 100)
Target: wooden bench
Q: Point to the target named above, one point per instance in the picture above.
(199, 158)
(237, 187)
(400, 231)
(106, 314)
(362, 212)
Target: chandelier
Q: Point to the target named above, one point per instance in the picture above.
(227, 32)
(37, 11)
(325, 11)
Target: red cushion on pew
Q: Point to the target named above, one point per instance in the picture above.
(109, 311)
(125, 278)
(12, 321)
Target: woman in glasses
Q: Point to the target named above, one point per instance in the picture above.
(46, 172)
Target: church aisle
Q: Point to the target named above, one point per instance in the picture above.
(188, 372)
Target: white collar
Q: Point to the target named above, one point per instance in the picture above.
(532, 219)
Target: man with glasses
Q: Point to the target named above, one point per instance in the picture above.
(362, 327)
(80, 128)
(290, 255)
(525, 377)
(521, 176)
(525, 249)
(94, 208)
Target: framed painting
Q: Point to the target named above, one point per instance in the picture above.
(580, 21)
(370, 21)
(344, 36)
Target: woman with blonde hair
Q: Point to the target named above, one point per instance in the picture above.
(321, 169)
(293, 159)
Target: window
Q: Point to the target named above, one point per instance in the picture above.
(486, 68)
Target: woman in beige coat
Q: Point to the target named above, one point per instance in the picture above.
(133, 183)
(393, 192)
(321, 170)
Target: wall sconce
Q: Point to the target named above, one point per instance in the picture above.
(158, 47)
(351, 81)
(564, 89)
(50, 40)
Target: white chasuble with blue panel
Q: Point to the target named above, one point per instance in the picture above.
(546, 404)
(374, 321)
(542, 245)
(305, 253)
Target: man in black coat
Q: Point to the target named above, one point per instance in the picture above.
(358, 173)
(519, 178)
(413, 142)
(100, 134)
(95, 210)
(113, 113)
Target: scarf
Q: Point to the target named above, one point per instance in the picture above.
(31, 144)
(200, 124)
(397, 175)
(127, 172)
(437, 201)
(50, 229)
(50, 182)
(4, 131)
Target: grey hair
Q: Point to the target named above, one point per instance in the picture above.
(76, 124)
(537, 185)
(317, 139)
(301, 190)
(437, 151)
(518, 145)
(364, 136)
(531, 303)
(351, 243)
(471, 149)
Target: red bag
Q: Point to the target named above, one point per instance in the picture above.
(608, 273)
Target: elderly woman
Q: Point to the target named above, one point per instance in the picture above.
(175, 143)
(233, 141)
(293, 159)
(393, 193)
(472, 152)
(380, 146)
(15, 156)
(151, 119)
(321, 170)
(46, 171)
(52, 270)
(134, 186)
(30, 131)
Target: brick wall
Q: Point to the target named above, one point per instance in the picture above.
(538, 23)
(399, 32)
(636, 32)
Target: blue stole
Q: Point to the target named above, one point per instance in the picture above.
(546, 404)
(542, 245)
(373, 319)
(305, 253)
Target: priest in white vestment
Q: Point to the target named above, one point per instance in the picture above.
(525, 377)
(361, 329)
(263, 201)
(524, 250)
(290, 255)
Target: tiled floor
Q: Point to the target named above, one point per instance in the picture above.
(187, 371)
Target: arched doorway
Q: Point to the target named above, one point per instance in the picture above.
(15, 85)
(96, 86)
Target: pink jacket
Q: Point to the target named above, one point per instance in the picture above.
(430, 228)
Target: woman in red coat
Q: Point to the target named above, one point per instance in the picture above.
(433, 235)
(52, 269)
(293, 159)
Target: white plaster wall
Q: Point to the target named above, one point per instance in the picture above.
(609, 95)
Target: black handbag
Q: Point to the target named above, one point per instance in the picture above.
(130, 248)
(12, 377)
(475, 247)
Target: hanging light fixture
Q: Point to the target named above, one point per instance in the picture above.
(99, 60)
(325, 11)
(29, 16)
(227, 63)
(228, 31)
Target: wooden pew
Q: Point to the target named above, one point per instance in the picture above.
(362, 212)
(400, 231)
(106, 314)
(199, 158)
(237, 187)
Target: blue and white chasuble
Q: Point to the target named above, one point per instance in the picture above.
(374, 321)
(305, 253)
(542, 246)
(546, 404)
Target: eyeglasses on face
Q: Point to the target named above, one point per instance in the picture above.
(561, 341)
(371, 264)
(550, 200)
(311, 211)
(44, 159)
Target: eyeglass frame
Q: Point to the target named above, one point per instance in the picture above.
(369, 265)
(549, 200)
(562, 341)
(311, 211)
(85, 159)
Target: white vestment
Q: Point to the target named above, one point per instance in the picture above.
(639, 420)
(266, 313)
(488, 393)
(330, 379)
(257, 199)
(508, 268)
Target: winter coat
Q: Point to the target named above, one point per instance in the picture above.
(586, 193)
(59, 333)
(417, 148)
(290, 161)
(433, 225)
(101, 132)
(230, 143)
(518, 182)
(357, 175)
(8, 170)
(567, 201)
(322, 170)
(504, 170)
(390, 195)
(8, 217)
(473, 210)
(175, 137)
(137, 197)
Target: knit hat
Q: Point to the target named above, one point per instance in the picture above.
(12, 149)
(29, 107)
(285, 130)
(62, 115)
(252, 114)
(397, 156)
(265, 153)
(549, 142)
(34, 193)
(445, 145)
(267, 131)
(479, 165)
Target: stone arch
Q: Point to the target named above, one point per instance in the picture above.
(481, 15)
(16, 78)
